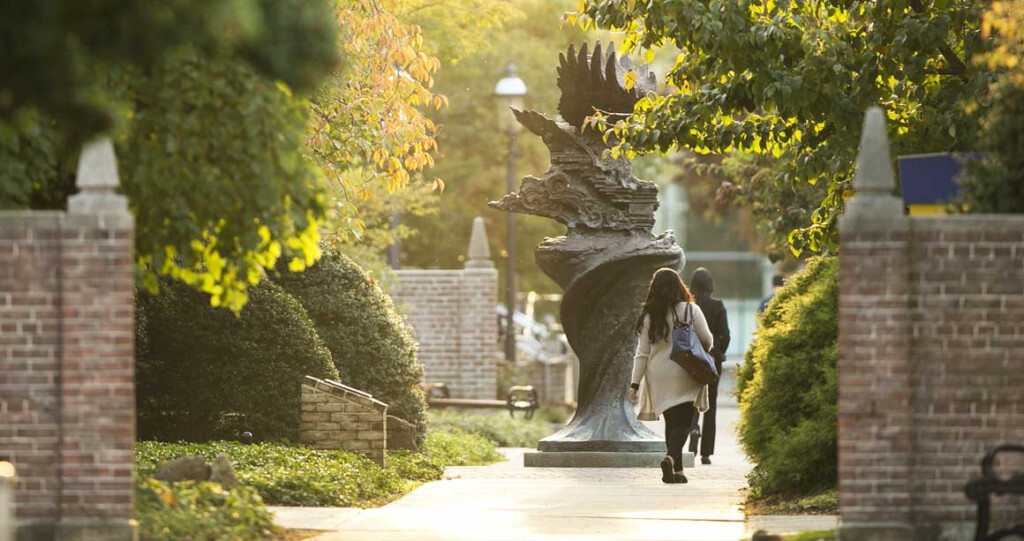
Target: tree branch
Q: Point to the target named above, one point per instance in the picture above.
(956, 66)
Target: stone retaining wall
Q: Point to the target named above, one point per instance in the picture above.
(335, 416)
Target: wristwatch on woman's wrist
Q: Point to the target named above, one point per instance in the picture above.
(635, 386)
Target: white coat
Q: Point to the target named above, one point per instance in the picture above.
(663, 383)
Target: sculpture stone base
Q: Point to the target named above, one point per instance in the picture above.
(558, 443)
(598, 459)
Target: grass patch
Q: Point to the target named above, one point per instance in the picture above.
(551, 414)
(823, 535)
(824, 503)
(460, 449)
(497, 427)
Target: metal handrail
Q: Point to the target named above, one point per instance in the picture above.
(982, 490)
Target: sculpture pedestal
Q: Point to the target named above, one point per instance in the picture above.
(598, 459)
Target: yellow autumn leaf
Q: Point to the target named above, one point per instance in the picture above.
(629, 79)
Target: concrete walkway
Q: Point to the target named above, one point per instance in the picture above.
(509, 502)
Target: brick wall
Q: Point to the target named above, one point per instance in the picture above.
(931, 359)
(67, 412)
(452, 313)
(29, 349)
(338, 417)
(967, 334)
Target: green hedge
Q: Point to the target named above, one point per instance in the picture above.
(497, 427)
(203, 373)
(787, 387)
(199, 512)
(372, 348)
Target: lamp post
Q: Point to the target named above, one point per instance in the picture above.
(510, 92)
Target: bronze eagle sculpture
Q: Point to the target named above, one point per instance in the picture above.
(584, 188)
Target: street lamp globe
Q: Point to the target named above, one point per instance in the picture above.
(509, 92)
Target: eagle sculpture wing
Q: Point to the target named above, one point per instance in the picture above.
(596, 82)
(554, 136)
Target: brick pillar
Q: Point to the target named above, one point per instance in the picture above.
(29, 348)
(478, 321)
(98, 356)
(67, 406)
(875, 417)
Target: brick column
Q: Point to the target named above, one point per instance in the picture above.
(478, 321)
(67, 406)
(452, 313)
(29, 340)
(97, 382)
(875, 417)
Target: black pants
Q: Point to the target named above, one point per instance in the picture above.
(707, 432)
(678, 420)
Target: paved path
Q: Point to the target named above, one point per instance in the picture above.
(509, 502)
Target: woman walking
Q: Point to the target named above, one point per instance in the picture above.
(668, 389)
(702, 284)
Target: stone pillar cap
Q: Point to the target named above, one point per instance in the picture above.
(97, 180)
(873, 207)
(874, 164)
(479, 254)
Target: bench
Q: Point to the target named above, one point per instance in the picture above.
(982, 490)
(465, 403)
(520, 398)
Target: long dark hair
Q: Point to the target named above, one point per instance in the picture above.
(665, 292)
(702, 284)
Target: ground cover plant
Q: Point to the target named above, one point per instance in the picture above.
(299, 475)
(823, 503)
(200, 512)
(787, 388)
(497, 426)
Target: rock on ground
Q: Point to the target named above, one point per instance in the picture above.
(401, 434)
(222, 472)
(186, 468)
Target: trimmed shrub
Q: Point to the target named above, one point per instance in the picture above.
(498, 427)
(787, 387)
(203, 372)
(372, 348)
(200, 512)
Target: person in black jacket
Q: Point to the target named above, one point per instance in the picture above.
(703, 285)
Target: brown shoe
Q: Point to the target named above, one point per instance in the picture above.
(679, 478)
